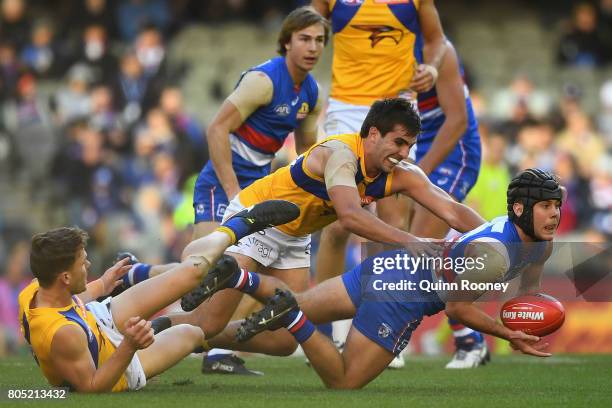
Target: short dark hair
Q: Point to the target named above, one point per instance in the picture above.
(386, 113)
(297, 20)
(55, 251)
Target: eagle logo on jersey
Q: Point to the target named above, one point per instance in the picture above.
(380, 32)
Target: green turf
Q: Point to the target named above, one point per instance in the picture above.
(511, 381)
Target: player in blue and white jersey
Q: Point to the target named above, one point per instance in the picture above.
(384, 317)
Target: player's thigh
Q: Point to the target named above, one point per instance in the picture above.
(427, 224)
(154, 294)
(170, 347)
(296, 278)
(395, 210)
(245, 261)
(330, 255)
(204, 228)
(327, 302)
(364, 360)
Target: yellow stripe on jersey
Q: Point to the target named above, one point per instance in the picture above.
(40, 324)
(296, 183)
(374, 44)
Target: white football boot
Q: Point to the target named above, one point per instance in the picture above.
(478, 355)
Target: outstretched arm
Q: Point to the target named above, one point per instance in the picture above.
(340, 170)
(411, 181)
(460, 304)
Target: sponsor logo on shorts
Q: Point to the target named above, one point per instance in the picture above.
(384, 330)
(200, 209)
(352, 2)
(446, 171)
(263, 249)
(442, 181)
(221, 210)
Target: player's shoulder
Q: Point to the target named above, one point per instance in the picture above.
(68, 339)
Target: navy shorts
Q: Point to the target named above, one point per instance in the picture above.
(458, 173)
(209, 198)
(388, 318)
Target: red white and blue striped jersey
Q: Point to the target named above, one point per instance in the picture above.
(262, 134)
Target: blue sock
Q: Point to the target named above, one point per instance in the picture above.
(327, 329)
(138, 273)
(299, 326)
(245, 281)
(236, 228)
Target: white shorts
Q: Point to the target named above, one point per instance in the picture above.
(134, 373)
(271, 247)
(346, 118)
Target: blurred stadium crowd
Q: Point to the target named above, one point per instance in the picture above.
(95, 128)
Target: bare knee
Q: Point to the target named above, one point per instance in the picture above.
(213, 326)
(193, 334)
(193, 269)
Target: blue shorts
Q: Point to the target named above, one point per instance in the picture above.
(209, 198)
(458, 173)
(388, 318)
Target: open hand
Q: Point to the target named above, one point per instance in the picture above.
(527, 344)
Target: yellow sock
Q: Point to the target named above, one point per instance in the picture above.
(229, 232)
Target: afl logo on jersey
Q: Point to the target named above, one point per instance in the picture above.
(282, 110)
(303, 112)
(352, 2)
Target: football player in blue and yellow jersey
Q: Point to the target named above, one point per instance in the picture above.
(388, 297)
(375, 46)
(332, 181)
(105, 346)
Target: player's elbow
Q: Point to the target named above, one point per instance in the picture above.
(453, 219)
(453, 310)
(459, 121)
(215, 133)
(450, 309)
(349, 219)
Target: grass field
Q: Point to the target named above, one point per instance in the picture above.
(510, 381)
